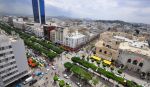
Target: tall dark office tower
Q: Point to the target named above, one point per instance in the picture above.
(39, 11)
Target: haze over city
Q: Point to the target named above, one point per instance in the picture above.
(126, 10)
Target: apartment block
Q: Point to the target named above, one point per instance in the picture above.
(13, 60)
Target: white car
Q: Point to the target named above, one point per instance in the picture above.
(68, 83)
(47, 69)
(58, 79)
(66, 76)
(78, 84)
(53, 67)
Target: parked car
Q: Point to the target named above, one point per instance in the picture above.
(68, 83)
(53, 67)
(28, 80)
(32, 82)
(78, 84)
(66, 76)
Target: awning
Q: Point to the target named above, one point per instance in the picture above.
(96, 58)
(107, 62)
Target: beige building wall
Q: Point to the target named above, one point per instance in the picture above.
(107, 47)
(52, 35)
(106, 51)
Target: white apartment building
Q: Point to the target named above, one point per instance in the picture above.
(13, 60)
(74, 40)
(35, 28)
(5, 19)
(19, 23)
(38, 32)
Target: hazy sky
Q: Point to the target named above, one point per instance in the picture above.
(126, 10)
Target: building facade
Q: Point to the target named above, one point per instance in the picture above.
(19, 23)
(13, 60)
(107, 46)
(74, 40)
(52, 35)
(39, 11)
(47, 29)
(60, 33)
(135, 55)
(38, 32)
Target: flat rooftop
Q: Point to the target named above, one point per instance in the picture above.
(126, 46)
(76, 35)
(4, 38)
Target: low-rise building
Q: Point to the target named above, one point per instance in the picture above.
(19, 23)
(47, 31)
(74, 40)
(108, 45)
(35, 28)
(135, 55)
(127, 50)
(38, 32)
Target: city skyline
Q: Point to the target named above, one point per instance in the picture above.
(128, 10)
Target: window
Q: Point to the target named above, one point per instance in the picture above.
(11, 52)
(10, 46)
(129, 61)
(135, 62)
(100, 50)
(13, 57)
(2, 48)
(1, 66)
(2, 72)
(1, 54)
(103, 44)
(117, 43)
(110, 53)
(141, 64)
(108, 46)
(6, 59)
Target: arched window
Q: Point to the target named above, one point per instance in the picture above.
(100, 50)
(129, 61)
(135, 62)
(103, 44)
(105, 52)
(141, 64)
